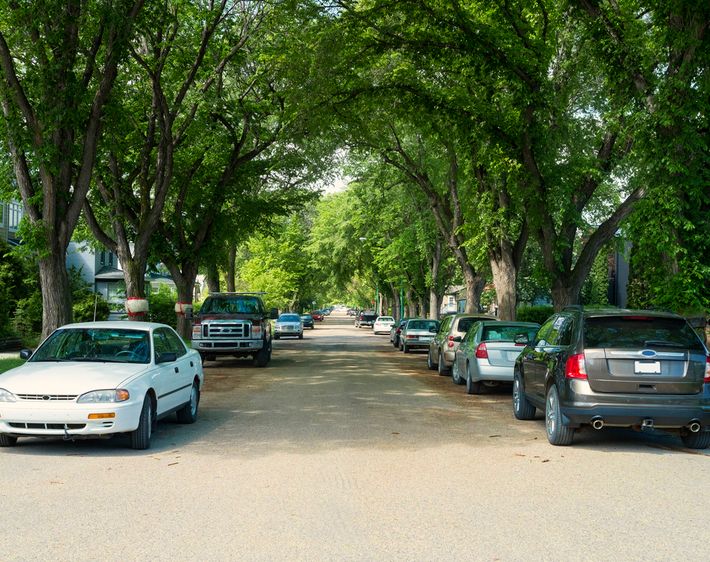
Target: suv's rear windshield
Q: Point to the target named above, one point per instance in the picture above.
(368, 316)
(639, 332)
(232, 305)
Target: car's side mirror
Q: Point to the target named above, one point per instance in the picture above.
(26, 354)
(274, 314)
(167, 357)
(522, 339)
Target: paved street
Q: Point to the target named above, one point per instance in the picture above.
(346, 449)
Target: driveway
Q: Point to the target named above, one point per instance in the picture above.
(345, 449)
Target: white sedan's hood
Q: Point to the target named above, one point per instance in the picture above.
(67, 378)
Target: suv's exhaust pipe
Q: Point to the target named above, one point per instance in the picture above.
(694, 426)
(597, 422)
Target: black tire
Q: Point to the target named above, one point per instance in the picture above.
(455, 374)
(263, 356)
(472, 387)
(699, 440)
(276, 337)
(557, 433)
(7, 440)
(441, 366)
(188, 413)
(430, 362)
(140, 438)
(522, 409)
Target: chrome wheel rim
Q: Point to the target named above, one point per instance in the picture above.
(150, 419)
(551, 413)
(193, 400)
(516, 394)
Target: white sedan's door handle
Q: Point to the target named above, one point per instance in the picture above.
(177, 370)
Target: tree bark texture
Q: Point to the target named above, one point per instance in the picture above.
(56, 293)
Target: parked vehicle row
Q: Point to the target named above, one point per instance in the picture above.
(594, 368)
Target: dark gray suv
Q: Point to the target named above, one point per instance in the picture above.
(619, 368)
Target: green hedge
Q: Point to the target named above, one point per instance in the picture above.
(537, 314)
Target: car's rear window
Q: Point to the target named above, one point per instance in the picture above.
(640, 332)
(422, 324)
(507, 333)
(368, 316)
(386, 319)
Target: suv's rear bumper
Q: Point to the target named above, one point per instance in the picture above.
(665, 410)
(227, 346)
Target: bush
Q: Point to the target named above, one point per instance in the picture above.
(537, 314)
(162, 307)
(84, 306)
(28, 317)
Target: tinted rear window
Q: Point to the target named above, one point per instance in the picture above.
(639, 332)
(368, 316)
(232, 305)
(508, 333)
(422, 324)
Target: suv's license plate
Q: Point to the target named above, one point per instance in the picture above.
(647, 367)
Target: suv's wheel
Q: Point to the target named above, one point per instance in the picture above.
(263, 356)
(557, 433)
(699, 440)
(430, 362)
(441, 366)
(522, 409)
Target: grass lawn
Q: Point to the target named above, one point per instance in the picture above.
(7, 364)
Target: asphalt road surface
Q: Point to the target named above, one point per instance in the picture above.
(346, 449)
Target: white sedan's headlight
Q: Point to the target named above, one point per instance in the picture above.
(104, 396)
(7, 396)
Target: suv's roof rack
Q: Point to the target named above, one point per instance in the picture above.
(238, 293)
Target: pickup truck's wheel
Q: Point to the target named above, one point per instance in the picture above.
(263, 356)
(7, 440)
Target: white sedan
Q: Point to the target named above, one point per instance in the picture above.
(383, 325)
(101, 378)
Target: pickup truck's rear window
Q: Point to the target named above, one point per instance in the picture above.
(232, 305)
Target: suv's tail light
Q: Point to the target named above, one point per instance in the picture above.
(706, 380)
(451, 341)
(196, 331)
(574, 368)
(482, 351)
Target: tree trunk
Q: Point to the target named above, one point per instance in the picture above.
(212, 278)
(231, 273)
(409, 306)
(56, 293)
(395, 301)
(564, 293)
(474, 289)
(183, 276)
(505, 281)
(133, 276)
(422, 306)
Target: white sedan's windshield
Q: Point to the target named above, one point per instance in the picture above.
(96, 345)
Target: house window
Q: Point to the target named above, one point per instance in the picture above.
(14, 216)
(102, 259)
(110, 259)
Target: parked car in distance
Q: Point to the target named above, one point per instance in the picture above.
(382, 325)
(622, 368)
(317, 315)
(442, 348)
(288, 324)
(487, 353)
(396, 330)
(97, 379)
(417, 333)
(308, 321)
(365, 320)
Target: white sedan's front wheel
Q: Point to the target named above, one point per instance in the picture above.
(140, 438)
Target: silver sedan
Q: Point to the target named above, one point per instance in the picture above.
(487, 353)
